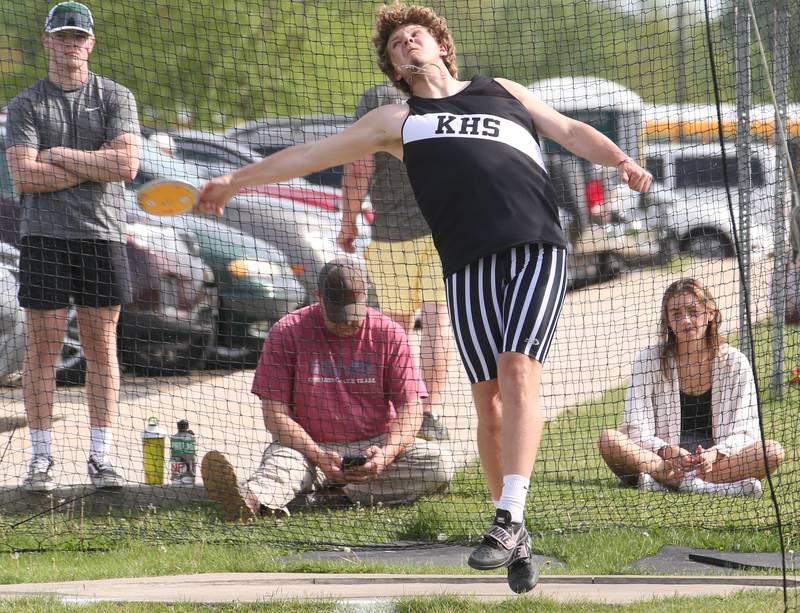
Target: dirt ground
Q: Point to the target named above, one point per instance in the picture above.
(601, 329)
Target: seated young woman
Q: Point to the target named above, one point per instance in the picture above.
(691, 413)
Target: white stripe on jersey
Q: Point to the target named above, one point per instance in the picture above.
(486, 127)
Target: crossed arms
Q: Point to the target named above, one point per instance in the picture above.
(50, 170)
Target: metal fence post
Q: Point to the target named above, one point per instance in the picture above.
(781, 81)
(743, 139)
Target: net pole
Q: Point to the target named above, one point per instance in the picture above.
(743, 141)
(781, 70)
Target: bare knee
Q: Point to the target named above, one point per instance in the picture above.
(608, 442)
(775, 454)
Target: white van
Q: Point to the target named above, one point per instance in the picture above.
(597, 246)
(691, 178)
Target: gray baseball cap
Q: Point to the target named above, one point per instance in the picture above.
(343, 290)
(69, 16)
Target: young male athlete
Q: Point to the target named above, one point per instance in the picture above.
(472, 153)
(73, 139)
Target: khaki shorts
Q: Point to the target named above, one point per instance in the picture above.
(405, 274)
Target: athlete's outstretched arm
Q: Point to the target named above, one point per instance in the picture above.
(378, 130)
(579, 138)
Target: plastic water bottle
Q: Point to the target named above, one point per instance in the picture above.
(153, 439)
(183, 455)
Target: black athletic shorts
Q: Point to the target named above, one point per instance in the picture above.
(91, 273)
(509, 301)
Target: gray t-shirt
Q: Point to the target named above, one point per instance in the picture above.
(397, 214)
(46, 116)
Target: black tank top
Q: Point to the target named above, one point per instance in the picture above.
(477, 171)
(696, 415)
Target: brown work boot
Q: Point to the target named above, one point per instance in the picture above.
(234, 502)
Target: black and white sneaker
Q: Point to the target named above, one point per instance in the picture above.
(102, 473)
(499, 543)
(40, 475)
(523, 574)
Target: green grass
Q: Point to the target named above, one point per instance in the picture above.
(750, 601)
(577, 513)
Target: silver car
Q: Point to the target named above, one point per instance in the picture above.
(299, 218)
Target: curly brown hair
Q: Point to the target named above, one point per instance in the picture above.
(669, 342)
(392, 16)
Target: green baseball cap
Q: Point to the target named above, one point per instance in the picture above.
(69, 16)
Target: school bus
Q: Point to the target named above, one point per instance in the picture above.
(699, 124)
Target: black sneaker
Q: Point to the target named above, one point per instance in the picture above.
(499, 543)
(523, 574)
(102, 473)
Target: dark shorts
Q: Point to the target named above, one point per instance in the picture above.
(90, 273)
(509, 301)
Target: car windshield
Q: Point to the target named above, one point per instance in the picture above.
(155, 164)
(706, 171)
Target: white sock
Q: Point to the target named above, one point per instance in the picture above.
(515, 492)
(41, 441)
(735, 488)
(694, 484)
(102, 439)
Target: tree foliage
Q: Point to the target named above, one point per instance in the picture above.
(214, 63)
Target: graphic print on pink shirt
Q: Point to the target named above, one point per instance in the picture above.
(339, 389)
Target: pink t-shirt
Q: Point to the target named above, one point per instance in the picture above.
(339, 389)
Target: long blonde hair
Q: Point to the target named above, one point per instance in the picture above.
(392, 16)
(669, 342)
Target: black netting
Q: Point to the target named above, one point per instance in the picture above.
(219, 85)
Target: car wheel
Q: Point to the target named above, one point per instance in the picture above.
(230, 350)
(71, 364)
(608, 266)
(668, 249)
(154, 359)
(707, 245)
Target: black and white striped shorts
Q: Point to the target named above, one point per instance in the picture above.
(509, 301)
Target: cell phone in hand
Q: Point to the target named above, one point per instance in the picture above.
(349, 461)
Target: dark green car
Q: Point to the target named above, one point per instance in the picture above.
(255, 284)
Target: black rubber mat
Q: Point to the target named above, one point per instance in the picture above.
(671, 559)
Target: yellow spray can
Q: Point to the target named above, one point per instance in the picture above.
(153, 443)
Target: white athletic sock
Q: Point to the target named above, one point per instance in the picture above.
(101, 442)
(515, 492)
(41, 441)
(691, 483)
(745, 487)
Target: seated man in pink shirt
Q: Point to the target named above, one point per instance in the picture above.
(340, 392)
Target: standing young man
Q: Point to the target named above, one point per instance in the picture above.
(73, 138)
(472, 153)
(401, 258)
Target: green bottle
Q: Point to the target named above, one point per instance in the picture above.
(183, 455)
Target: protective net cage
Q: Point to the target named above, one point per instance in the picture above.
(218, 85)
